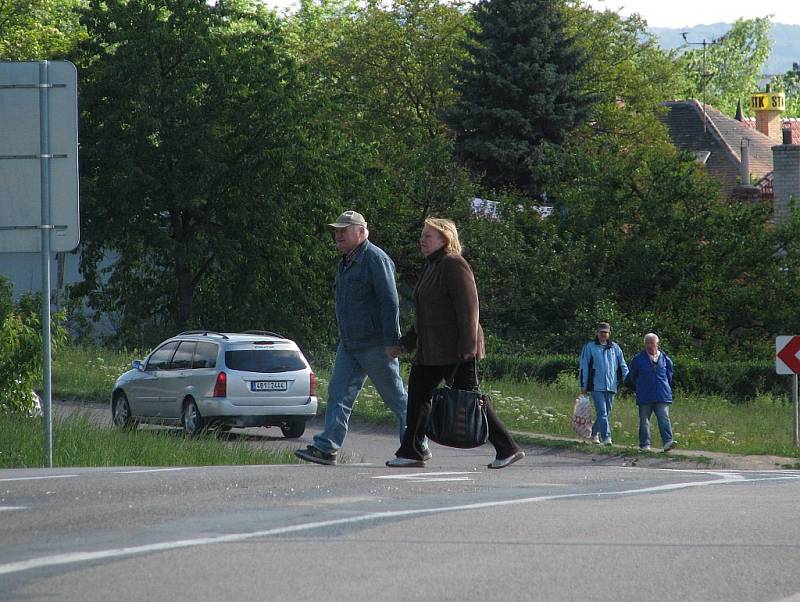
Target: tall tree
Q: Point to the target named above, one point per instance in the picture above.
(727, 69)
(626, 71)
(519, 87)
(198, 181)
(38, 29)
(378, 76)
(789, 84)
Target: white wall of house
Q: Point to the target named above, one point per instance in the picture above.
(24, 270)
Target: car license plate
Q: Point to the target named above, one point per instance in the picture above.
(268, 385)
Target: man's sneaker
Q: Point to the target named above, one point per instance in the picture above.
(426, 454)
(596, 439)
(502, 463)
(669, 445)
(644, 448)
(316, 455)
(405, 463)
(607, 441)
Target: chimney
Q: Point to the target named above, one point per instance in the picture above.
(768, 107)
(744, 168)
(785, 179)
(744, 192)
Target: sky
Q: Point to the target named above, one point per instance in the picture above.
(680, 13)
(686, 13)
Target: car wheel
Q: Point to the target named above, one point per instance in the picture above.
(293, 430)
(122, 412)
(191, 419)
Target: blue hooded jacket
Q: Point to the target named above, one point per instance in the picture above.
(601, 365)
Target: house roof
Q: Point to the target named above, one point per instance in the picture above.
(721, 138)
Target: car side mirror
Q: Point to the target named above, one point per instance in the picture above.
(137, 365)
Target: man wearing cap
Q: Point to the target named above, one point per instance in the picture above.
(602, 368)
(368, 321)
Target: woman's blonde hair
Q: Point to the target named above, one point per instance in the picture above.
(449, 232)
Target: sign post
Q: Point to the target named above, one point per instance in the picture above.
(39, 175)
(787, 362)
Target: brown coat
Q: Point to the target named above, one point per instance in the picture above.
(446, 300)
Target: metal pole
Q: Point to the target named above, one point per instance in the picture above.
(705, 120)
(44, 163)
(795, 438)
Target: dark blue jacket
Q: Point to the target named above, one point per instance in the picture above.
(653, 380)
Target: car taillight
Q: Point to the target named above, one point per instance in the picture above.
(312, 385)
(221, 386)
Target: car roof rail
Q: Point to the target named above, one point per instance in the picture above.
(203, 332)
(263, 333)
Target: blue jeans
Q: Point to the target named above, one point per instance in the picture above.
(664, 425)
(602, 407)
(350, 371)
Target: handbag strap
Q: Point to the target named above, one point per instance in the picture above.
(449, 381)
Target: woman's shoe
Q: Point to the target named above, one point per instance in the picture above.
(502, 463)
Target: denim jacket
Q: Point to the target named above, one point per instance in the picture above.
(602, 367)
(367, 305)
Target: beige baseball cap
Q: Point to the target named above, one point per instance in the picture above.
(349, 218)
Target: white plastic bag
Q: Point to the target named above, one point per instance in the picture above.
(582, 416)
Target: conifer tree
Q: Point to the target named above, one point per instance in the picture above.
(519, 87)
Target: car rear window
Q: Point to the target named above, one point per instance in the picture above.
(264, 360)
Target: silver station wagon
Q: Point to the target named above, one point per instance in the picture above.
(203, 379)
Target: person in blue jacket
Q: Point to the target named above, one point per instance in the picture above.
(602, 369)
(651, 374)
(368, 321)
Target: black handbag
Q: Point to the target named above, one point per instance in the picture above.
(458, 418)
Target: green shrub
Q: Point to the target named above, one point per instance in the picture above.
(736, 381)
(545, 368)
(21, 349)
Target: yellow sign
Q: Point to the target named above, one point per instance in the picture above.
(768, 101)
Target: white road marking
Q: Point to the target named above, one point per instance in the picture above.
(12, 508)
(428, 477)
(144, 470)
(54, 476)
(793, 598)
(75, 557)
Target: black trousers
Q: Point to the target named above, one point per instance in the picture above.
(422, 382)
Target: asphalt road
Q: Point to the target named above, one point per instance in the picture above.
(555, 526)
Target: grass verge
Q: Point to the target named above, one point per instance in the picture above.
(78, 442)
(89, 373)
(762, 426)
(708, 423)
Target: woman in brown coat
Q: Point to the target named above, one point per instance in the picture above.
(447, 334)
